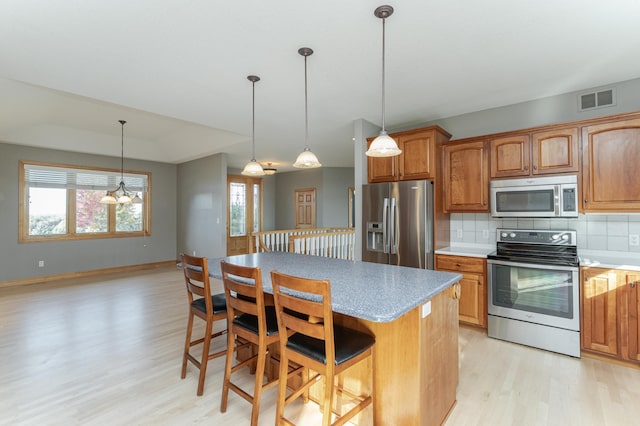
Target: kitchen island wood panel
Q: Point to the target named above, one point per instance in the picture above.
(415, 364)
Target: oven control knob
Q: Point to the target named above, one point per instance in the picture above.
(565, 237)
(555, 236)
(512, 235)
(504, 235)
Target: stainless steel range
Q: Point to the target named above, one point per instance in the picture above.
(533, 290)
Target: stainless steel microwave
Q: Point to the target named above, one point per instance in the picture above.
(551, 196)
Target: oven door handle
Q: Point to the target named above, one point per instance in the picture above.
(532, 265)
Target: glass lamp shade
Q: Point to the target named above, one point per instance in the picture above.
(253, 168)
(136, 199)
(124, 199)
(383, 146)
(307, 160)
(108, 199)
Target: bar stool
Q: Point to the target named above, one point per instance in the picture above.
(315, 343)
(250, 321)
(202, 304)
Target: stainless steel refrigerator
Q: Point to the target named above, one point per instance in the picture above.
(397, 219)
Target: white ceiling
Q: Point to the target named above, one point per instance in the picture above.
(176, 70)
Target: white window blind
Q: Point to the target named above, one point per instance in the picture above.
(41, 176)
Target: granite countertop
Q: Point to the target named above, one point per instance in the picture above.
(610, 259)
(370, 291)
(470, 250)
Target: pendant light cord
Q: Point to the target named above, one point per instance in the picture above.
(122, 150)
(306, 115)
(253, 122)
(383, 66)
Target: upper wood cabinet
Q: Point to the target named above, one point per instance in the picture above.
(555, 151)
(510, 156)
(610, 155)
(546, 152)
(466, 176)
(418, 158)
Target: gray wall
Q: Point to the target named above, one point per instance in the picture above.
(201, 208)
(331, 184)
(539, 112)
(269, 190)
(335, 196)
(19, 261)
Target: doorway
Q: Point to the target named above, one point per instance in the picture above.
(244, 212)
(305, 208)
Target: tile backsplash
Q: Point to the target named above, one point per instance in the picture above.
(595, 231)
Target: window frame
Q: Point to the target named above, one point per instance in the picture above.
(71, 234)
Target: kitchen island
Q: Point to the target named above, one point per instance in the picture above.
(413, 314)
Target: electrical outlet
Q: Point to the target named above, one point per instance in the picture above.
(459, 233)
(634, 240)
(40, 263)
(194, 253)
(426, 309)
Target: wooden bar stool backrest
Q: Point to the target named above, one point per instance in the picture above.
(250, 320)
(244, 295)
(309, 338)
(204, 305)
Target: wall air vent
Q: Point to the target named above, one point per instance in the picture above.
(598, 99)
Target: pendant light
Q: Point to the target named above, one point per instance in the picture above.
(253, 168)
(306, 159)
(383, 145)
(269, 170)
(121, 195)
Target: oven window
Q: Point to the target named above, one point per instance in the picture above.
(525, 201)
(541, 291)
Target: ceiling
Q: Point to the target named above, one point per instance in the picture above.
(176, 70)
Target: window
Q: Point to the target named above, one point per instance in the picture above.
(59, 202)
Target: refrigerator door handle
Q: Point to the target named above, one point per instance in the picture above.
(385, 224)
(393, 226)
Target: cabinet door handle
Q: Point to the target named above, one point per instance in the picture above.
(633, 284)
(535, 167)
(526, 167)
(586, 201)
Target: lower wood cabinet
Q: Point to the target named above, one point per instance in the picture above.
(473, 288)
(599, 320)
(630, 330)
(610, 311)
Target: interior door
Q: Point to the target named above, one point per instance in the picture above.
(305, 208)
(244, 212)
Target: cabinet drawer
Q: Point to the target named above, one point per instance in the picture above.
(460, 263)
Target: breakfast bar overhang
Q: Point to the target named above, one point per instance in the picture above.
(413, 314)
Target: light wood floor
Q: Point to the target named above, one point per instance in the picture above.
(108, 351)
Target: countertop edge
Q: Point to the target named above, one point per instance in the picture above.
(612, 260)
(479, 252)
